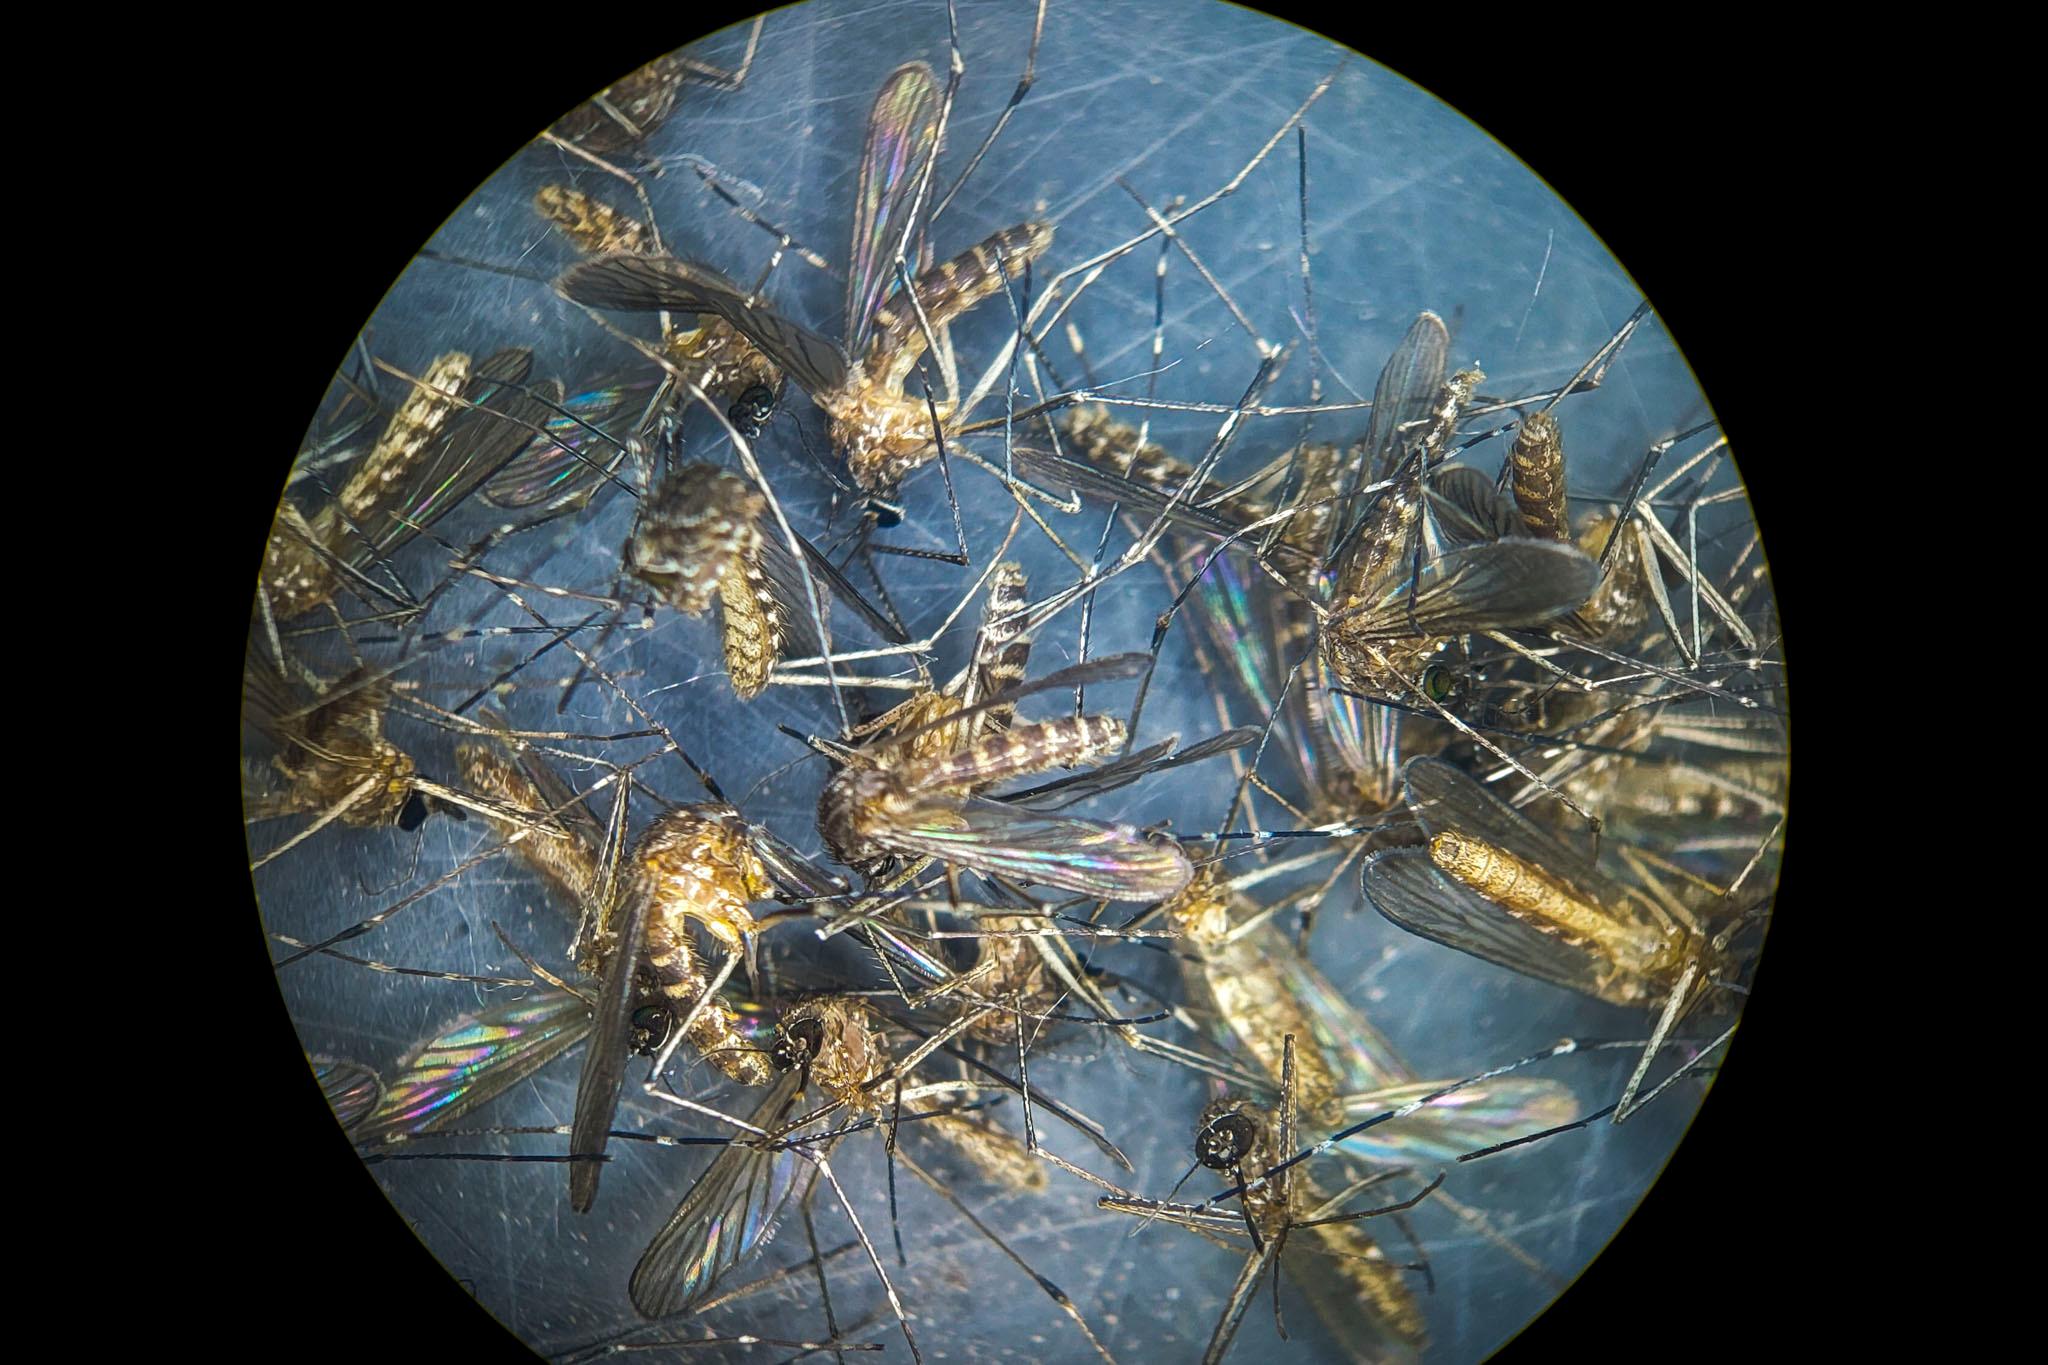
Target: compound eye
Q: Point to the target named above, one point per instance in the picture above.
(800, 1041)
(1441, 684)
(413, 814)
(651, 1024)
(751, 411)
(1226, 1141)
(886, 514)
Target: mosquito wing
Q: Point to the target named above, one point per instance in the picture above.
(1466, 1120)
(351, 1090)
(604, 1062)
(574, 455)
(646, 284)
(1469, 510)
(1406, 392)
(1406, 887)
(1498, 586)
(1088, 857)
(724, 1217)
(478, 442)
(474, 1061)
(903, 138)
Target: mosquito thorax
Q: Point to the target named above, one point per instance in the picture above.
(842, 807)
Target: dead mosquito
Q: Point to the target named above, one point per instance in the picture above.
(457, 427)
(881, 432)
(1354, 1288)
(886, 804)
(1493, 883)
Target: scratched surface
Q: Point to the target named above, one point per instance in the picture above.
(1411, 207)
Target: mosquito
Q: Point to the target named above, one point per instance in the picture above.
(1396, 601)
(1494, 884)
(703, 863)
(457, 427)
(1354, 1288)
(886, 804)
(713, 355)
(881, 432)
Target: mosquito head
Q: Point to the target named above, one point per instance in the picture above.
(751, 410)
(651, 1025)
(886, 511)
(799, 1042)
(1226, 1140)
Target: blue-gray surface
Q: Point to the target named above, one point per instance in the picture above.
(1411, 208)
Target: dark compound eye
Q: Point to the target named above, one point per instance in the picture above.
(1226, 1140)
(800, 1041)
(413, 814)
(886, 514)
(751, 411)
(651, 1024)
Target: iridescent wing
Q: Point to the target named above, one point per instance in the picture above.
(1405, 886)
(350, 1089)
(902, 139)
(1499, 586)
(725, 1216)
(574, 455)
(1087, 857)
(1463, 1121)
(477, 444)
(646, 284)
(474, 1061)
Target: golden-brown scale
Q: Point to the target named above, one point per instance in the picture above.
(1640, 958)
(861, 804)
(1536, 476)
(568, 863)
(883, 432)
(696, 863)
(1620, 604)
(999, 1158)
(1379, 563)
(328, 750)
(593, 226)
(714, 355)
(1009, 969)
(852, 1052)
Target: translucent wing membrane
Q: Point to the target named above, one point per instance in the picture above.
(726, 1214)
(903, 137)
(576, 452)
(351, 1090)
(1089, 857)
(1503, 585)
(475, 1061)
